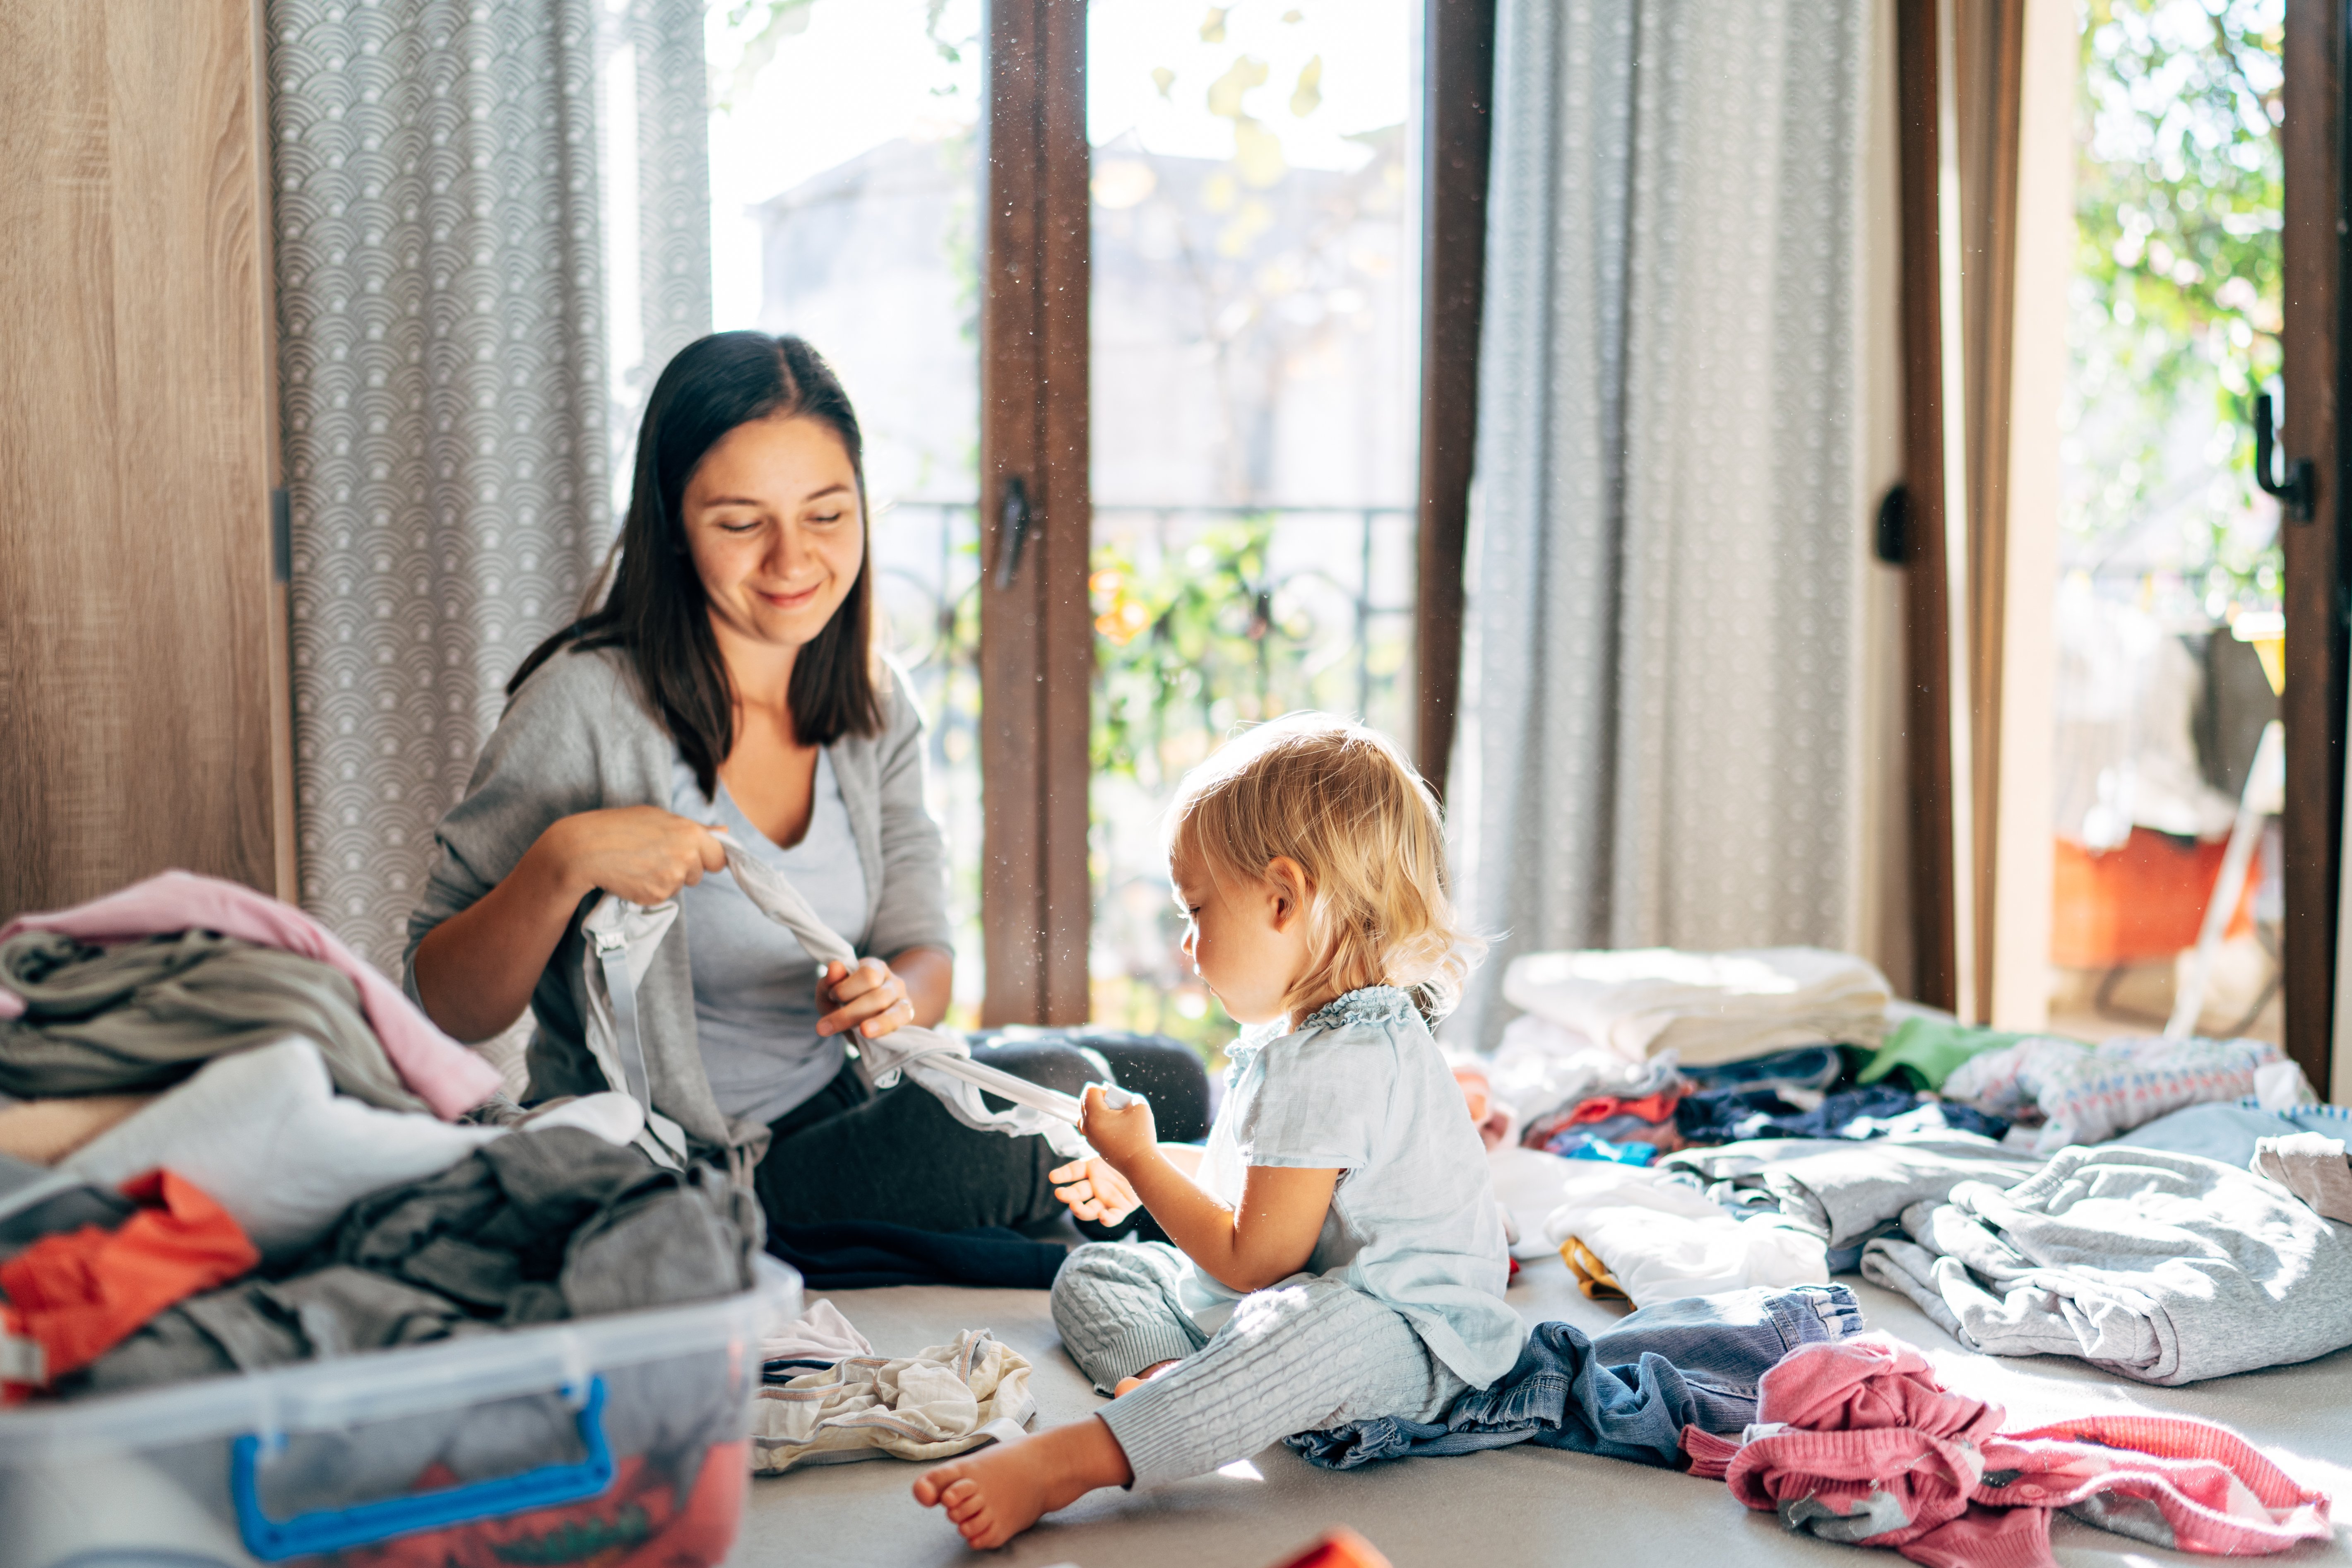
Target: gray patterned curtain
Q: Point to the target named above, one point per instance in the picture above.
(441, 319)
(1661, 723)
(673, 180)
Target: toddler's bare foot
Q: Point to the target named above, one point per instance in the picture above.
(1000, 1491)
(1157, 1369)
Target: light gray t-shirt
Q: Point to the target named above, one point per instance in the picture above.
(755, 1007)
(1360, 1086)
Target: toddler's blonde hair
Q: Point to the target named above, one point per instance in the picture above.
(1341, 801)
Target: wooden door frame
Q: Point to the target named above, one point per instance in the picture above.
(1036, 635)
(1987, 77)
(1926, 601)
(2312, 245)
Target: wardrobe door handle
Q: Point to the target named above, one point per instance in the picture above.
(1015, 522)
(2302, 483)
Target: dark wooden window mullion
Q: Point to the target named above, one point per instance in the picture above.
(1928, 710)
(1037, 646)
(1460, 62)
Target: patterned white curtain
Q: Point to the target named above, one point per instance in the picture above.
(1661, 707)
(440, 256)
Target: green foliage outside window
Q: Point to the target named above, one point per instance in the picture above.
(2176, 299)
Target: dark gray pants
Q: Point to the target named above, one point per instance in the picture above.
(849, 1152)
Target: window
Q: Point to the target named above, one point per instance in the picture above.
(2168, 626)
(1255, 319)
(843, 190)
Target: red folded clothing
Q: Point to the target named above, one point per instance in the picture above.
(1857, 1441)
(1658, 1107)
(79, 1294)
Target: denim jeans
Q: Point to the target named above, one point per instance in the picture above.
(1732, 1340)
(1626, 1395)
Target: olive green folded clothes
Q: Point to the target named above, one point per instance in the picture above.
(1927, 1051)
(145, 1015)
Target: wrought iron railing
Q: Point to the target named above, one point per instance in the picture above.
(1206, 617)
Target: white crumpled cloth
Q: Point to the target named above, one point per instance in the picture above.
(939, 1402)
(938, 1059)
(820, 1333)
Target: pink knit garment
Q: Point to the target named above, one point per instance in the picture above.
(1856, 1441)
(443, 1073)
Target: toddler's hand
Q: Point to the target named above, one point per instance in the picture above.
(1094, 1191)
(1121, 1135)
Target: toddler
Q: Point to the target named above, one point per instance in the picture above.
(1339, 1250)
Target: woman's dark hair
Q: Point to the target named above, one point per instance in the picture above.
(657, 611)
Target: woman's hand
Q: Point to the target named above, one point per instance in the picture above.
(1094, 1190)
(474, 971)
(870, 998)
(640, 853)
(1123, 1136)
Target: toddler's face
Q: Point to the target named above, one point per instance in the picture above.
(1238, 940)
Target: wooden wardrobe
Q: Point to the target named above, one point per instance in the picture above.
(143, 710)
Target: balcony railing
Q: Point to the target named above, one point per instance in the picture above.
(1206, 617)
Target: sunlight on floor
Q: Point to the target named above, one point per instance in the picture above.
(1239, 1470)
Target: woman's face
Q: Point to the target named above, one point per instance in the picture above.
(773, 526)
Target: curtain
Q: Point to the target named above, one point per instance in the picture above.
(1661, 712)
(442, 329)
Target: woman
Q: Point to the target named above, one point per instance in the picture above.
(730, 680)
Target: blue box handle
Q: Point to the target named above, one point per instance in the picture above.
(336, 1529)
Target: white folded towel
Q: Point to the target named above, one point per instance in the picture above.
(1706, 1006)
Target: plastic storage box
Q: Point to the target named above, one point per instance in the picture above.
(619, 1442)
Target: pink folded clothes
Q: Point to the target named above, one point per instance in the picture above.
(1856, 1441)
(444, 1074)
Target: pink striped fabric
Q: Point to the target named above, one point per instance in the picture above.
(1857, 1441)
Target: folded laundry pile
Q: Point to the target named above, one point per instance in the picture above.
(2169, 1209)
(1922, 1052)
(1542, 1068)
(1876, 1111)
(2165, 1268)
(943, 1400)
(1856, 1441)
(1845, 1192)
(1628, 1393)
(114, 997)
(1704, 1006)
(2088, 1094)
(1781, 1094)
(1659, 1237)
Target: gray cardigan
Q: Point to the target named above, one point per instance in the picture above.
(580, 736)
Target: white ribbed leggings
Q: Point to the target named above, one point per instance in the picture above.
(1308, 1353)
